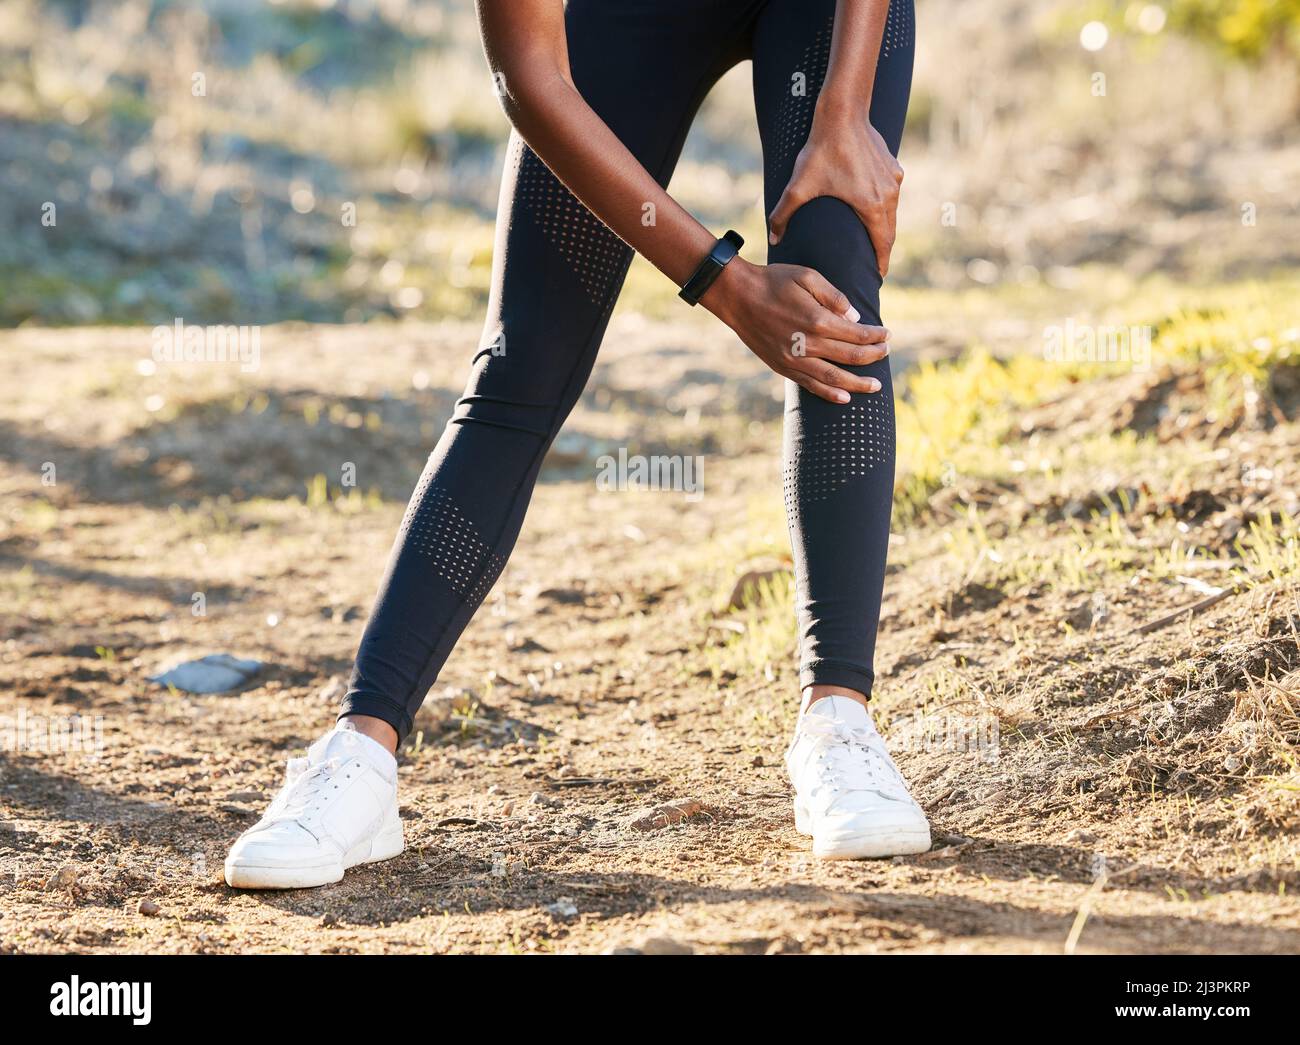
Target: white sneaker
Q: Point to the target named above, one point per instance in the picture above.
(337, 809)
(848, 794)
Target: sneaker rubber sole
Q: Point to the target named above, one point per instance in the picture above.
(864, 845)
(241, 875)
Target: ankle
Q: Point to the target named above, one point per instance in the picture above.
(376, 729)
(812, 694)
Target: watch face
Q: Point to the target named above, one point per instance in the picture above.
(723, 251)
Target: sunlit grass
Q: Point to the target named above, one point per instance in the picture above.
(957, 421)
(1269, 550)
(1242, 337)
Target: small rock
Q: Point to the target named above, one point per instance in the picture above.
(333, 691)
(564, 907)
(564, 596)
(624, 950)
(438, 713)
(148, 908)
(666, 815)
(244, 796)
(572, 450)
(747, 590)
(758, 762)
(457, 821)
(64, 878)
(525, 645)
(1080, 836)
(539, 799)
(1089, 613)
(216, 673)
(665, 945)
(948, 852)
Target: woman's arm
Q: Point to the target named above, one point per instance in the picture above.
(845, 156)
(855, 47)
(527, 51)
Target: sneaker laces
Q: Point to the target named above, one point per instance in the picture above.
(857, 751)
(305, 781)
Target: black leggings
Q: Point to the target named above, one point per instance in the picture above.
(645, 66)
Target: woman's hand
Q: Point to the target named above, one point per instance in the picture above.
(846, 157)
(799, 325)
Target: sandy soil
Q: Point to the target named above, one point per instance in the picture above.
(1126, 806)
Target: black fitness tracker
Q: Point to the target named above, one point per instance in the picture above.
(723, 251)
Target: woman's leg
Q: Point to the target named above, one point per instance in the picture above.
(557, 270)
(839, 460)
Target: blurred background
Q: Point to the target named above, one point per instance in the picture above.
(202, 156)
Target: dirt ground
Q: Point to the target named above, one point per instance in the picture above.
(1136, 796)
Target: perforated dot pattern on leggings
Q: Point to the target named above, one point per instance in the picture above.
(900, 29)
(860, 440)
(438, 530)
(794, 121)
(597, 257)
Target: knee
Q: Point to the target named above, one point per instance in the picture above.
(516, 398)
(826, 235)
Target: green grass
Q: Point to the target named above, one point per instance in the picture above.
(957, 421)
(953, 416)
